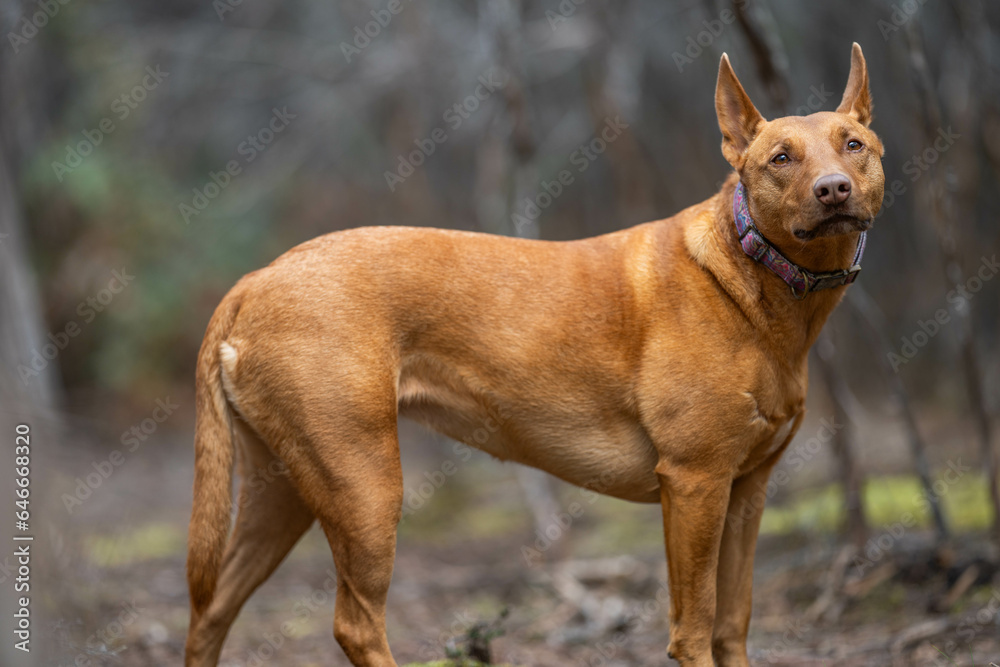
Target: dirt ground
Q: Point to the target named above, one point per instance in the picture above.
(594, 596)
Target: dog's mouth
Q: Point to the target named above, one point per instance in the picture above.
(834, 225)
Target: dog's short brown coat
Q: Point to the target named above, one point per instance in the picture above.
(656, 364)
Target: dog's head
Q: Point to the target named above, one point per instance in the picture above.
(807, 176)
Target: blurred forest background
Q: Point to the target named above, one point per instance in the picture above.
(151, 153)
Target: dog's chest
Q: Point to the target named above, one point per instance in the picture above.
(773, 439)
(779, 437)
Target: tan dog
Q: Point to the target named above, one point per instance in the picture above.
(662, 360)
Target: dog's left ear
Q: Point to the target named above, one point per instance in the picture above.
(857, 102)
(739, 119)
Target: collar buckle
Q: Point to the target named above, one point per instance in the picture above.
(820, 281)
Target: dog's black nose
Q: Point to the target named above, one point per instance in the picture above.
(832, 189)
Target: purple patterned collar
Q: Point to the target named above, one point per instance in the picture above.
(760, 249)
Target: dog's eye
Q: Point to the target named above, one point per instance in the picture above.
(781, 158)
(854, 145)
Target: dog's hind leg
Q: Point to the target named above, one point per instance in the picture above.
(363, 540)
(361, 527)
(271, 520)
(346, 464)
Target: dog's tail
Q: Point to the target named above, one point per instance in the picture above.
(214, 449)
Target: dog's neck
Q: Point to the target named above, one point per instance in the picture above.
(764, 298)
(801, 280)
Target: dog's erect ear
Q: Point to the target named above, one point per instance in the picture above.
(857, 102)
(739, 119)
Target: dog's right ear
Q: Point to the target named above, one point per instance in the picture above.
(739, 119)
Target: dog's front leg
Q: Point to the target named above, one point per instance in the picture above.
(735, 578)
(694, 511)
